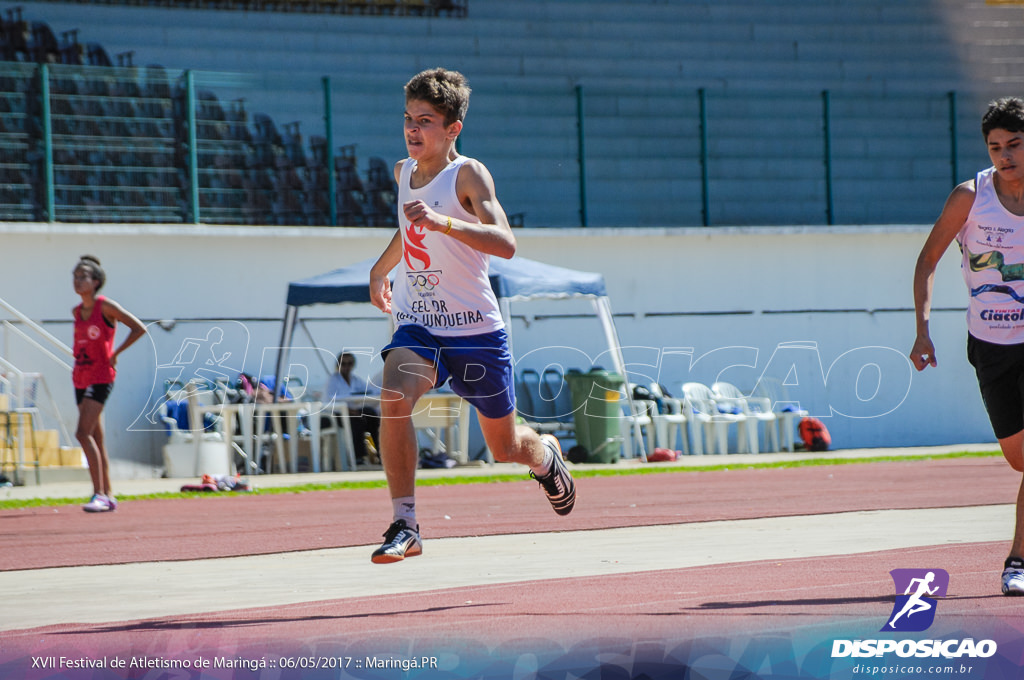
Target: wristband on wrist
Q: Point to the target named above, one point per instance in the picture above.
(448, 230)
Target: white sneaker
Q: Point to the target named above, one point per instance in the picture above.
(98, 503)
(1013, 577)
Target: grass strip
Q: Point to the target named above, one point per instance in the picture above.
(610, 471)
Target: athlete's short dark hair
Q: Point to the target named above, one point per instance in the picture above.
(447, 91)
(1006, 113)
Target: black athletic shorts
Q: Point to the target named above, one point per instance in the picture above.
(98, 392)
(1000, 371)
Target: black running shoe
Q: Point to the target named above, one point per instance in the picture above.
(557, 483)
(399, 542)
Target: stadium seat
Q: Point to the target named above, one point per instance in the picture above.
(535, 410)
(554, 390)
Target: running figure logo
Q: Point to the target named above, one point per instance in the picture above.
(914, 610)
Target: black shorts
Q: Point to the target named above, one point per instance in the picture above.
(1000, 371)
(98, 392)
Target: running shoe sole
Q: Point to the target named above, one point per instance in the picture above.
(97, 506)
(391, 558)
(395, 551)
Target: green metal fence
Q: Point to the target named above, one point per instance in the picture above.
(111, 145)
(153, 145)
(19, 166)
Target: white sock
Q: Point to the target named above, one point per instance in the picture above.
(545, 465)
(405, 508)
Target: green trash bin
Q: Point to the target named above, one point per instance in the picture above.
(597, 413)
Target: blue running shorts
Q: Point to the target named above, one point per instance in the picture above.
(478, 366)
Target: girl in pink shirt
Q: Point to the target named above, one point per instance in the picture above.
(94, 371)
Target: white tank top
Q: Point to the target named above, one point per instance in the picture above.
(441, 283)
(992, 246)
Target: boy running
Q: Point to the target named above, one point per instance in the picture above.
(448, 324)
(986, 217)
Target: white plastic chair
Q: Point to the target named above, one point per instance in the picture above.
(336, 442)
(711, 420)
(187, 400)
(640, 414)
(758, 410)
(788, 413)
(670, 422)
(194, 450)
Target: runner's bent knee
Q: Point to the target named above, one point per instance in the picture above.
(1013, 450)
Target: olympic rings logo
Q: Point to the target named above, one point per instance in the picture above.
(426, 281)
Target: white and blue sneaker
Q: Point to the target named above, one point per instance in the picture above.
(557, 483)
(400, 541)
(1013, 576)
(100, 503)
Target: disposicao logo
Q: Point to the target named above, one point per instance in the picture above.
(914, 610)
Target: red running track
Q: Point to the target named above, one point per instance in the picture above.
(233, 525)
(700, 604)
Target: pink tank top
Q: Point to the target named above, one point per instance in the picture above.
(94, 344)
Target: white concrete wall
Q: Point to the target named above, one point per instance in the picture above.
(732, 295)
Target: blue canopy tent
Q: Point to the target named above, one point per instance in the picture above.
(515, 280)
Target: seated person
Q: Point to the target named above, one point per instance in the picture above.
(262, 392)
(363, 419)
(248, 390)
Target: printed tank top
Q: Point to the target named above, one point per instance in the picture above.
(992, 261)
(441, 283)
(94, 343)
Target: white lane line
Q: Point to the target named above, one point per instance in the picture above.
(100, 594)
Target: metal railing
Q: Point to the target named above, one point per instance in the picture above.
(128, 144)
(29, 389)
(151, 145)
